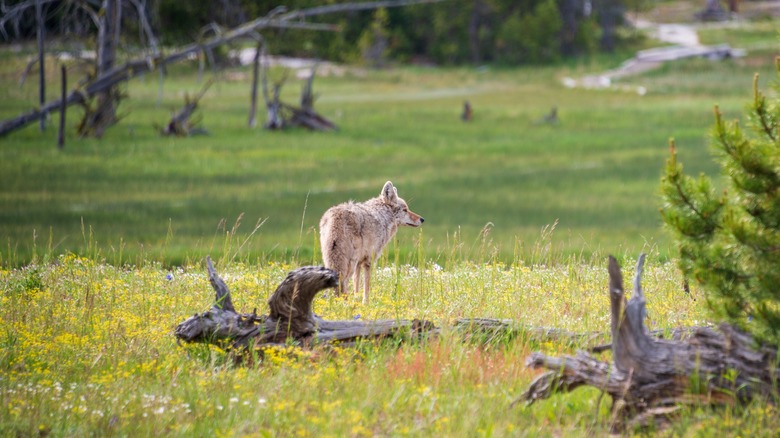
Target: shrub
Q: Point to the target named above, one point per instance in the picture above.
(729, 240)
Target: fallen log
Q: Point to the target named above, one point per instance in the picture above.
(306, 116)
(492, 329)
(651, 378)
(281, 115)
(183, 123)
(290, 319)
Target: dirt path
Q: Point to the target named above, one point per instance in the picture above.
(684, 44)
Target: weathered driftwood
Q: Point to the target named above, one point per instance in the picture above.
(183, 123)
(290, 319)
(652, 378)
(306, 116)
(274, 118)
(281, 115)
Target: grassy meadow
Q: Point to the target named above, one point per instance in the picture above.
(134, 196)
(103, 244)
(88, 349)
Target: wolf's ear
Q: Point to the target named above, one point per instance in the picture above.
(389, 192)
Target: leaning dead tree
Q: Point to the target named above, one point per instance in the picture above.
(290, 318)
(650, 379)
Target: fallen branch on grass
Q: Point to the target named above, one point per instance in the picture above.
(290, 319)
(652, 378)
(281, 115)
(183, 124)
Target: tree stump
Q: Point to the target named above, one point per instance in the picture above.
(652, 378)
(290, 319)
(280, 115)
(183, 123)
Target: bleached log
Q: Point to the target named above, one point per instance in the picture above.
(290, 319)
(182, 123)
(651, 377)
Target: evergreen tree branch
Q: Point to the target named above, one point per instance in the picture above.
(675, 178)
(759, 106)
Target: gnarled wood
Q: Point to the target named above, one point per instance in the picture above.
(651, 377)
(183, 123)
(282, 115)
(290, 319)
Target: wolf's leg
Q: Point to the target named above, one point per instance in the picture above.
(356, 277)
(366, 282)
(342, 290)
(345, 272)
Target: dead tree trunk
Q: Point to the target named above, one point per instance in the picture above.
(259, 51)
(61, 133)
(290, 319)
(100, 117)
(281, 115)
(306, 116)
(651, 378)
(41, 59)
(275, 120)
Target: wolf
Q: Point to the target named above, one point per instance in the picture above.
(353, 235)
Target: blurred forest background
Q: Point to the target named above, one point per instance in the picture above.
(511, 32)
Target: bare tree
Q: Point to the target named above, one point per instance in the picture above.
(41, 54)
(103, 115)
(259, 54)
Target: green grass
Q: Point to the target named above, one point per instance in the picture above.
(750, 36)
(88, 349)
(134, 195)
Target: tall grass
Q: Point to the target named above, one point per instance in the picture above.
(88, 349)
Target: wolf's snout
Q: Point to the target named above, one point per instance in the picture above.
(422, 219)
